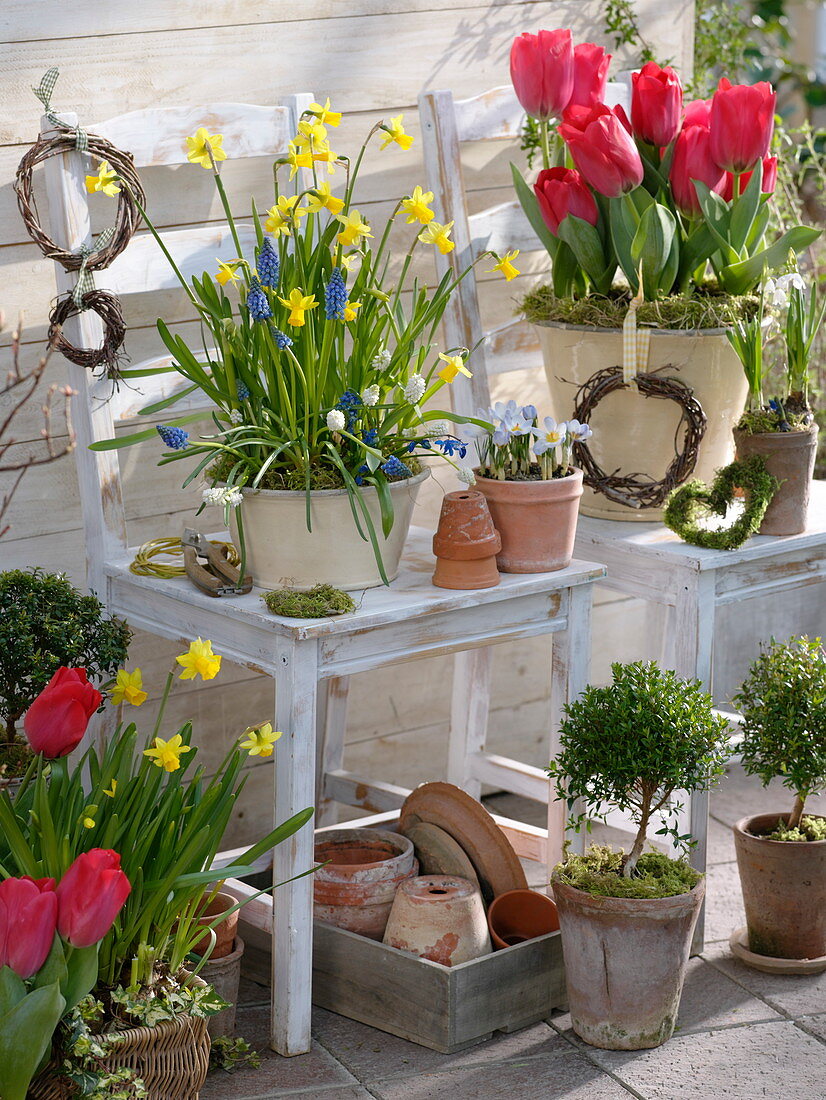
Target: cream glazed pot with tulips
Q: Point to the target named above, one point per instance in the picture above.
(532, 490)
(657, 231)
(322, 370)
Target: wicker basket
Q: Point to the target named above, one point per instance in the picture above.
(171, 1058)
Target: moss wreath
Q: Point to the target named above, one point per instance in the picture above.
(694, 500)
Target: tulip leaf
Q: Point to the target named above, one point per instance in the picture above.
(652, 247)
(12, 989)
(739, 278)
(528, 202)
(54, 968)
(586, 244)
(716, 215)
(696, 249)
(564, 270)
(82, 973)
(625, 214)
(744, 210)
(25, 1037)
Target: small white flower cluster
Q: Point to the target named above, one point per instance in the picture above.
(437, 428)
(414, 390)
(236, 416)
(777, 290)
(336, 420)
(370, 396)
(466, 475)
(223, 495)
(381, 361)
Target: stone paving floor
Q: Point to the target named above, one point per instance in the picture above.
(741, 1035)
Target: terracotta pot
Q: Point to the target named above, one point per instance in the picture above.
(224, 932)
(536, 520)
(636, 434)
(790, 457)
(224, 975)
(439, 917)
(356, 889)
(625, 961)
(466, 543)
(521, 915)
(784, 890)
(281, 551)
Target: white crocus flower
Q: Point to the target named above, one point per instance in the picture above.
(550, 435)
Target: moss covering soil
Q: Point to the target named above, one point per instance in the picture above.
(318, 603)
(810, 828)
(599, 872)
(707, 308)
(321, 477)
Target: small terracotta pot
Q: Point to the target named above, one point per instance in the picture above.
(520, 915)
(625, 961)
(355, 890)
(224, 975)
(224, 932)
(790, 457)
(784, 890)
(439, 917)
(466, 543)
(536, 520)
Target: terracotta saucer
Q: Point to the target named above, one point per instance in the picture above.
(438, 853)
(739, 944)
(450, 808)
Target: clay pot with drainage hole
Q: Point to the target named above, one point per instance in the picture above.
(364, 868)
(439, 917)
(520, 915)
(466, 543)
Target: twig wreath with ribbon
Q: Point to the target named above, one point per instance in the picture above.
(107, 307)
(689, 505)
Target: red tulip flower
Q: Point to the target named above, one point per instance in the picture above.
(602, 148)
(560, 192)
(542, 71)
(656, 104)
(767, 185)
(56, 721)
(742, 123)
(697, 113)
(590, 75)
(28, 918)
(90, 895)
(692, 160)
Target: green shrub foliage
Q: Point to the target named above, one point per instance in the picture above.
(634, 743)
(783, 702)
(46, 623)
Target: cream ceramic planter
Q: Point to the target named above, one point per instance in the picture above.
(282, 552)
(637, 434)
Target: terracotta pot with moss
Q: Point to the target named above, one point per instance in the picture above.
(781, 856)
(627, 919)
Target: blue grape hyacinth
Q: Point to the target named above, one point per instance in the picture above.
(257, 302)
(282, 340)
(268, 264)
(335, 296)
(242, 391)
(175, 438)
(394, 467)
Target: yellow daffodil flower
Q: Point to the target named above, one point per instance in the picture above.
(311, 133)
(105, 181)
(350, 310)
(324, 115)
(129, 687)
(321, 198)
(454, 364)
(434, 233)
(347, 261)
(505, 265)
(416, 206)
(201, 143)
(167, 754)
(260, 739)
(326, 156)
(394, 131)
(297, 159)
(298, 303)
(88, 823)
(285, 214)
(227, 272)
(199, 660)
(354, 229)
(112, 791)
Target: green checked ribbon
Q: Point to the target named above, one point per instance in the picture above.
(44, 93)
(84, 277)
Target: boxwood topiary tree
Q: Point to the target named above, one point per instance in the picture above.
(783, 701)
(46, 623)
(634, 743)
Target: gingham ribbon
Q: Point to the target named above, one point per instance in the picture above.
(635, 341)
(85, 283)
(44, 93)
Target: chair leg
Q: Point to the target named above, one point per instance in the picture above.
(296, 683)
(333, 695)
(469, 708)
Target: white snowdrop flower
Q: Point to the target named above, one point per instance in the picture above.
(466, 475)
(335, 420)
(438, 427)
(791, 279)
(381, 361)
(236, 416)
(370, 396)
(414, 390)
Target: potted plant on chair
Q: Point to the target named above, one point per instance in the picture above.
(627, 919)
(677, 199)
(782, 856)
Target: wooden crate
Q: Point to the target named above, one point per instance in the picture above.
(445, 1008)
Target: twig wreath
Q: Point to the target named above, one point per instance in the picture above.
(637, 490)
(107, 307)
(693, 502)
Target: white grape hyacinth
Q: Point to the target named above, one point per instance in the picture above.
(336, 420)
(414, 390)
(466, 475)
(370, 396)
(223, 495)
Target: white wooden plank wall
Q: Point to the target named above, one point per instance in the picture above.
(373, 58)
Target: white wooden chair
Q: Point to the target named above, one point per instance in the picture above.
(309, 662)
